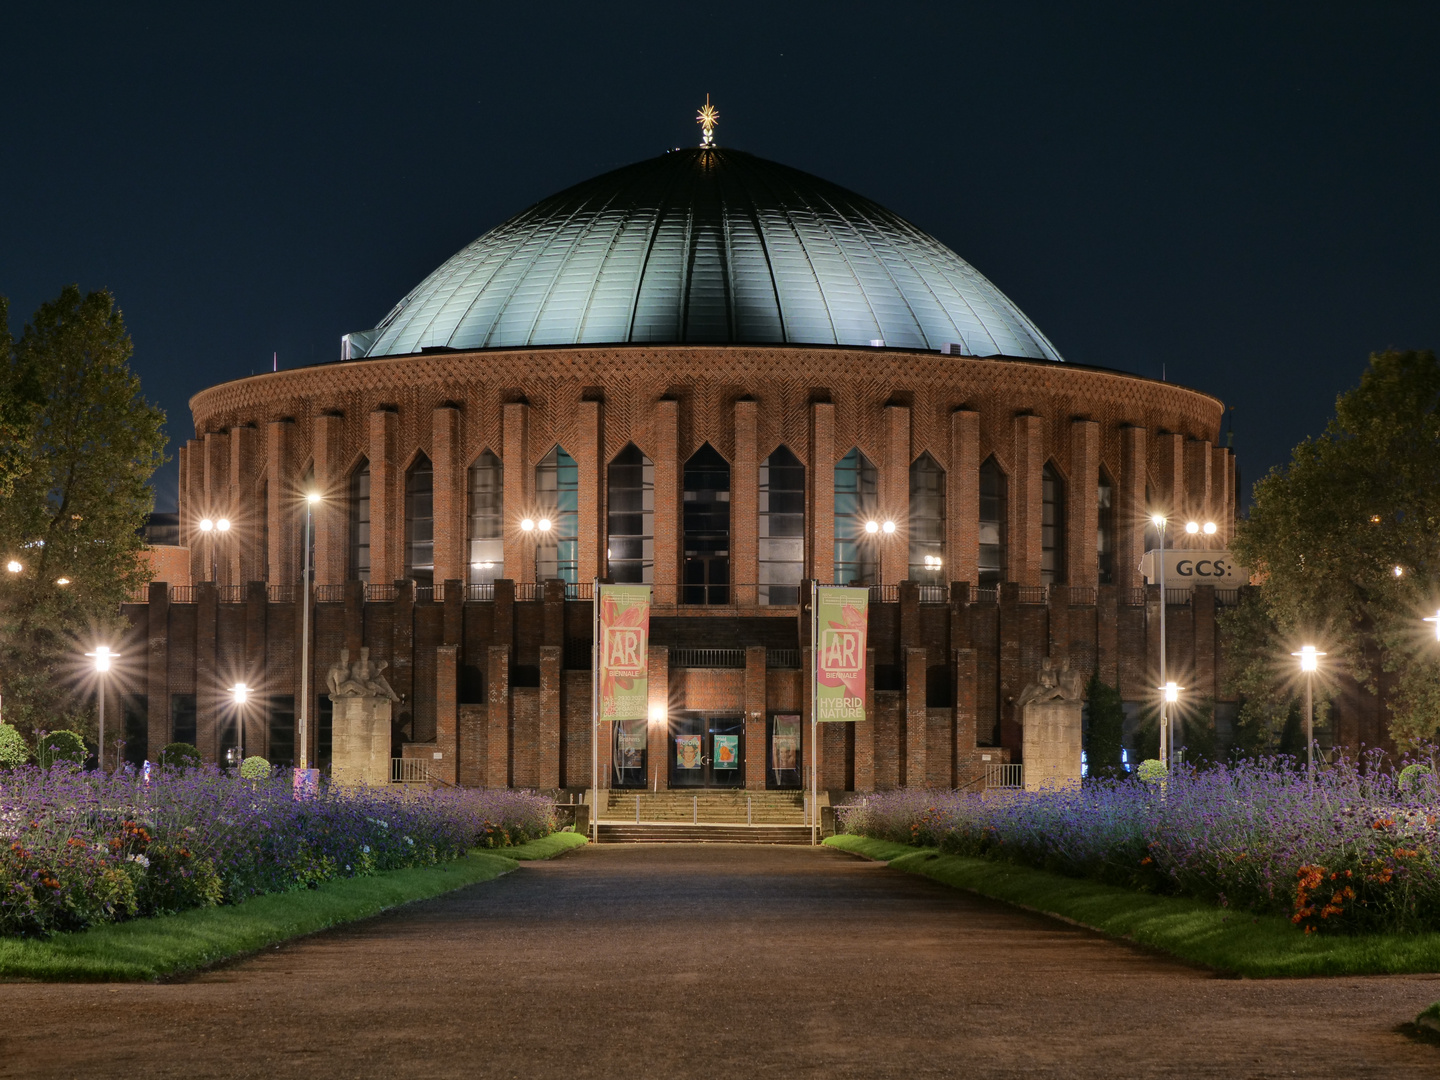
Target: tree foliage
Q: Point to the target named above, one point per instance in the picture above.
(1327, 533)
(78, 445)
(1104, 741)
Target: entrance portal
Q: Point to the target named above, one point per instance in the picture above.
(629, 754)
(707, 751)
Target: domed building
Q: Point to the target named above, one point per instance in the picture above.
(722, 377)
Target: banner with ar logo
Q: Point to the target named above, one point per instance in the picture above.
(624, 649)
(841, 619)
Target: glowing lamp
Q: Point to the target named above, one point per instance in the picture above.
(1158, 520)
(1210, 528)
(1309, 658)
(1436, 620)
(102, 656)
(1192, 527)
(206, 525)
(657, 713)
(313, 498)
(888, 527)
(223, 525)
(527, 525)
(13, 566)
(871, 527)
(240, 692)
(1172, 693)
(543, 525)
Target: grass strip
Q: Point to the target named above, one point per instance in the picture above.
(145, 949)
(1227, 940)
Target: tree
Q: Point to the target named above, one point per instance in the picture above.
(1104, 742)
(78, 445)
(1347, 540)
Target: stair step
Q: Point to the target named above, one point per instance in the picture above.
(692, 834)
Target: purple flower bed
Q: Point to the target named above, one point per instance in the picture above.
(78, 849)
(1354, 851)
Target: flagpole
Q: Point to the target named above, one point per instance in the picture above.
(814, 710)
(595, 711)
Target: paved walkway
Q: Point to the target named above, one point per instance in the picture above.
(713, 961)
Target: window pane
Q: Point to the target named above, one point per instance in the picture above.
(782, 528)
(857, 486)
(360, 523)
(557, 490)
(707, 528)
(927, 521)
(420, 522)
(487, 520)
(630, 536)
(992, 524)
(1052, 527)
(1105, 531)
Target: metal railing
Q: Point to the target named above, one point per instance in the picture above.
(182, 594)
(280, 594)
(1178, 597)
(783, 659)
(707, 658)
(138, 596)
(485, 591)
(409, 771)
(985, 596)
(1227, 597)
(884, 594)
(1133, 597)
(430, 594)
(934, 594)
(1034, 594)
(329, 594)
(1011, 777)
(1081, 596)
(230, 594)
(579, 590)
(529, 590)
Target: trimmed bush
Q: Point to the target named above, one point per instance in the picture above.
(254, 768)
(179, 755)
(61, 746)
(1151, 770)
(13, 750)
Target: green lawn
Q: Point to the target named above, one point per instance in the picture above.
(1235, 942)
(173, 944)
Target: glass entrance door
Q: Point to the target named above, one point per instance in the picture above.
(707, 751)
(629, 754)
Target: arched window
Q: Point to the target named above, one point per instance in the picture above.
(1105, 530)
(857, 492)
(557, 491)
(782, 527)
(359, 499)
(927, 520)
(630, 536)
(1052, 526)
(420, 522)
(486, 524)
(707, 528)
(992, 524)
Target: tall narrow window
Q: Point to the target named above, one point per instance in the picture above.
(927, 520)
(420, 522)
(630, 536)
(857, 492)
(263, 502)
(1105, 530)
(707, 528)
(557, 491)
(1052, 526)
(486, 520)
(782, 527)
(992, 524)
(360, 523)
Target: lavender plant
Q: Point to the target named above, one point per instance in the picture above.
(1353, 850)
(78, 848)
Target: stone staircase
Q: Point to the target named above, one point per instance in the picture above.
(682, 833)
(707, 807)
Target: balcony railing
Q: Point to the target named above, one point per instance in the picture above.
(884, 594)
(379, 593)
(783, 659)
(707, 658)
(280, 594)
(934, 594)
(1034, 594)
(1132, 597)
(1080, 596)
(230, 594)
(983, 595)
(1227, 597)
(329, 594)
(182, 594)
(529, 590)
(485, 591)
(579, 590)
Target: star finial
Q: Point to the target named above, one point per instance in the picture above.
(707, 118)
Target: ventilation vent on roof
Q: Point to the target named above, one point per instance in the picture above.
(953, 348)
(877, 342)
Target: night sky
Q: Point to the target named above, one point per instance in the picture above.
(1245, 197)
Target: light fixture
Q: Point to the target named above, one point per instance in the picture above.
(888, 527)
(1436, 620)
(932, 562)
(543, 525)
(1192, 527)
(657, 713)
(223, 525)
(1211, 528)
(206, 525)
(872, 527)
(62, 581)
(240, 692)
(313, 498)
(1172, 693)
(1309, 658)
(14, 566)
(1399, 571)
(527, 525)
(1158, 520)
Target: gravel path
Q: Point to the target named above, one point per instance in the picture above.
(714, 961)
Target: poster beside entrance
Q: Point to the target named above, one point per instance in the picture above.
(785, 745)
(624, 629)
(841, 622)
(727, 751)
(687, 751)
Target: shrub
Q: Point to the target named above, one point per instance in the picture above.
(179, 755)
(254, 768)
(61, 746)
(1151, 770)
(13, 751)
(1415, 777)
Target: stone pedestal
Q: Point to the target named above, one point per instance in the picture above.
(1051, 744)
(360, 740)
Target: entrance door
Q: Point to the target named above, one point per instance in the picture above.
(629, 753)
(707, 751)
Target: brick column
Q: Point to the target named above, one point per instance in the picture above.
(387, 503)
(1011, 675)
(820, 550)
(1026, 495)
(192, 486)
(864, 730)
(254, 716)
(966, 709)
(182, 457)
(1132, 516)
(745, 506)
(1107, 634)
(1199, 482)
(658, 744)
(447, 714)
(548, 752)
(353, 618)
(1202, 610)
(332, 518)
(916, 762)
(895, 493)
(589, 454)
(450, 493)
(755, 752)
(497, 720)
(157, 669)
(962, 494)
(1222, 493)
(283, 562)
(401, 672)
(668, 481)
(242, 556)
(217, 500)
(452, 627)
(1082, 509)
(808, 749)
(1169, 469)
(519, 482)
(207, 682)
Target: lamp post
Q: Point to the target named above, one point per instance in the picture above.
(536, 530)
(1309, 661)
(1195, 528)
(311, 498)
(240, 693)
(102, 657)
(1170, 695)
(880, 530)
(1166, 749)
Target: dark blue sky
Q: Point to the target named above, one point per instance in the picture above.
(1245, 194)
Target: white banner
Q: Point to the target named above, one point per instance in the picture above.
(1184, 568)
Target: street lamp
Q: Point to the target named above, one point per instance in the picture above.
(240, 694)
(1166, 750)
(1309, 661)
(1195, 528)
(536, 530)
(14, 566)
(102, 657)
(311, 498)
(1169, 695)
(880, 530)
